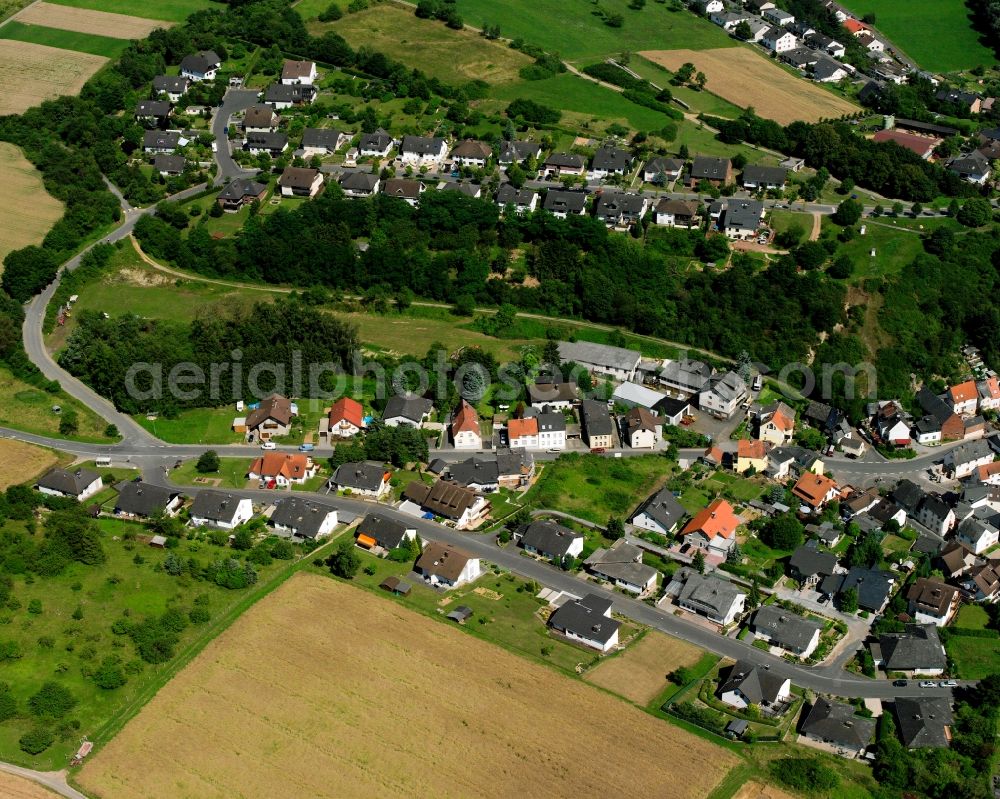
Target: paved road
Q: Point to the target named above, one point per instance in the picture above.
(233, 101)
(53, 780)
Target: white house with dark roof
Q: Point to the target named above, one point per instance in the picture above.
(514, 152)
(786, 630)
(360, 184)
(302, 519)
(617, 362)
(406, 410)
(220, 509)
(764, 177)
(551, 540)
(748, 684)
(79, 484)
(384, 532)
(741, 219)
(563, 202)
(174, 87)
(661, 170)
(366, 478)
(523, 200)
(622, 566)
(423, 151)
(661, 513)
(966, 458)
(140, 500)
(375, 145)
(298, 73)
(471, 152)
(610, 161)
(837, 723)
(717, 600)
(322, 141)
(203, 65)
(588, 622)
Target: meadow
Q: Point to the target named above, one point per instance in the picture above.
(939, 36)
(166, 10)
(640, 672)
(94, 44)
(29, 211)
(25, 407)
(974, 657)
(85, 20)
(31, 73)
(21, 462)
(896, 243)
(385, 702)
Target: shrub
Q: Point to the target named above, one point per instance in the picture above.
(52, 699)
(804, 774)
(37, 740)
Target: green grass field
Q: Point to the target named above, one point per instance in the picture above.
(974, 657)
(575, 31)
(25, 407)
(65, 40)
(894, 249)
(232, 473)
(167, 10)
(782, 220)
(937, 35)
(196, 426)
(972, 617)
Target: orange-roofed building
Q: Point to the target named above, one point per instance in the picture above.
(964, 398)
(777, 425)
(281, 469)
(713, 528)
(713, 456)
(923, 146)
(750, 454)
(346, 419)
(465, 432)
(523, 433)
(815, 490)
(989, 473)
(855, 27)
(989, 393)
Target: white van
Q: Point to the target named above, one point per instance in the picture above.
(105, 462)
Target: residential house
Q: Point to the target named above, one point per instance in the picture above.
(444, 566)
(778, 17)
(381, 531)
(561, 202)
(952, 427)
(597, 428)
(859, 502)
(561, 164)
(728, 20)
(449, 500)
(220, 509)
(786, 630)
(322, 141)
(610, 161)
(964, 398)
(515, 467)
(929, 510)
(152, 112)
(989, 474)
(974, 167)
(551, 431)
(968, 101)
(588, 622)
(927, 431)
(932, 601)
(270, 419)
(672, 411)
(921, 145)
(661, 513)
(203, 65)
(78, 484)
(778, 40)
(662, 170)
(616, 362)
(622, 566)
(422, 151)
(465, 430)
(749, 684)
(751, 454)
(471, 153)
(956, 559)
(375, 145)
(295, 73)
(924, 722)
(300, 182)
(345, 419)
(809, 567)
(169, 165)
(302, 519)
(983, 582)
(964, 459)
(479, 474)
(776, 424)
(720, 601)
(551, 540)
(515, 152)
(764, 177)
(642, 429)
(240, 191)
(260, 118)
(714, 170)
(781, 461)
(742, 219)
(365, 478)
(870, 43)
(676, 213)
(917, 650)
(713, 529)
(552, 396)
(823, 42)
(685, 376)
(281, 96)
(872, 586)
(815, 490)
(523, 432)
(360, 184)
(282, 469)
(174, 87)
(978, 534)
(619, 209)
(274, 144)
(837, 723)
(406, 410)
(139, 500)
(160, 141)
(404, 189)
(523, 200)
(723, 394)
(989, 393)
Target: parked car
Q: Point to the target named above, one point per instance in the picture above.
(268, 445)
(948, 684)
(928, 684)
(306, 447)
(900, 683)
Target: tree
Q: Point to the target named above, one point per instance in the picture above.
(345, 561)
(975, 213)
(783, 532)
(52, 700)
(916, 209)
(848, 213)
(208, 462)
(841, 268)
(754, 597)
(110, 674)
(848, 601)
(243, 539)
(69, 422)
(743, 31)
(700, 80)
(615, 528)
(36, 740)
(698, 561)
(27, 271)
(804, 774)
(331, 13)
(465, 305)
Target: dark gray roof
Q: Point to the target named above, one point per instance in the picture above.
(240, 188)
(571, 160)
(744, 214)
(754, 173)
(511, 151)
(827, 68)
(563, 201)
(611, 159)
(421, 145)
(475, 471)
(587, 352)
(516, 461)
(71, 483)
(836, 722)
(623, 562)
(507, 195)
(143, 499)
(161, 139)
(302, 515)
(922, 721)
(756, 683)
(709, 167)
(970, 451)
(285, 93)
(809, 561)
(321, 137)
(596, 419)
(786, 629)
(707, 592)
(663, 508)
(551, 392)
(170, 83)
(549, 538)
(169, 163)
(927, 425)
(918, 647)
(617, 204)
(663, 164)
(585, 618)
(216, 506)
(550, 422)
(363, 476)
(403, 188)
(364, 182)
(378, 140)
(908, 495)
(200, 62)
(934, 406)
(388, 533)
(152, 108)
(468, 189)
(873, 586)
(412, 409)
(267, 140)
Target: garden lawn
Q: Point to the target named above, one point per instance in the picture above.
(783, 220)
(974, 657)
(195, 426)
(972, 617)
(166, 10)
(92, 43)
(232, 473)
(894, 249)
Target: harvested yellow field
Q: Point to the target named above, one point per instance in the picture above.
(757, 790)
(20, 462)
(326, 690)
(83, 20)
(746, 78)
(640, 672)
(31, 73)
(14, 787)
(29, 211)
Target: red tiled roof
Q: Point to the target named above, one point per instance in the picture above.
(346, 409)
(921, 145)
(466, 420)
(963, 392)
(516, 428)
(854, 26)
(274, 464)
(750, 448)
(813, 488)
(717, 519)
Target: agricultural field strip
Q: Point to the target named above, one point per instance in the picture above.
(85, 20)
(31, 73)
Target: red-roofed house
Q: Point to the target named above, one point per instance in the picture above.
(989, 393)
(921, 145)
(523, 433)
(465, 428)
(713, 528)
(779, 426)
(989, 473)
(750, 454)
(855, 27)
(281, 469)
(345, 420)
(815, 490)
(964, 397)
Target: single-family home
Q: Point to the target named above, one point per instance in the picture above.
(169, 165)
(282, 96)
(778, 40)
(551, 540)
(661, 513)
(479, 474)
(298, 73)
(751, 454)
(776, 424)
(345, 419)
(728, 20)
(240, 191)
(404, 189)
(672, 410)
(685, 376)
(270, 419)
(375, 145)
(322, 141)
(471, 153)
(870, 43)
(203, 65)
(837, 723)
(515, 152)
(823, 42)
(260, 118)
(551, 431)
(989, 393)
(562, 202)
(642, 429)
(974, 167)
(152, 112)
(924, 722)
(300, 182)
(827, 70)
(742, 219)
(951, 424)
(610, 161)
(173, 86)
(220, 509)
(928, 509)
(552, 396)
(447, 499)
(815, 490)
(808, 566)
(78, 484)
(384, 532)
(423, 151)
(964, 459)
(366, 478)
(616, 362)
(786, 630)
(989, 474)
(619, 209)
(139, 500)
(622, 565)
(274, 144)
(748, 684)
(713, 529)
(969, 102)
(406, 410)
(282, 469)
(932, 601)
(778, 17)
(676, 213)
(560, 164)
(465, 430)
(444, 566)
(983, 582)
(302, 519)
(523, 432)
(662, 170)
(763, 177)
(523, 200)
(588, 622)
(596, 425)
(160, 141)
(715, 170)
(873, 587)
(964, 397)
(360, 184)
(978, 534)
(723, 394)
(917, 650)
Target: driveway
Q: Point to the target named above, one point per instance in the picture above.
(235, 100)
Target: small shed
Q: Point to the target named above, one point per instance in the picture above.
(158, 541)
(240, 424)
(737, 728)
(396, 586)
(460, 614)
